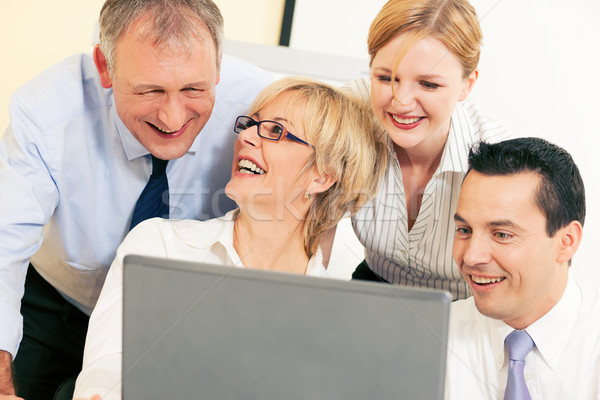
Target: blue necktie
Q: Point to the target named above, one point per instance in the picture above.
(519, 344)
(154, 200)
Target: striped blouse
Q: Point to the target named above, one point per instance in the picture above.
(421, 257)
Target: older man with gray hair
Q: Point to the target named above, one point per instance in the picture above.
(98, 143)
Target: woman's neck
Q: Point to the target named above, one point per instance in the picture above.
(423, 162)
(418, 166)
(426, 155)
(270, 244)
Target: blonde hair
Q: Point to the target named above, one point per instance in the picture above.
(453, 22)
(341, 130)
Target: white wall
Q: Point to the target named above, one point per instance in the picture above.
(538, 74)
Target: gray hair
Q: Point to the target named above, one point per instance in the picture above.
(171, 23)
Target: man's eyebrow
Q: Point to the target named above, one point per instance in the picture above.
(143, 87)
(500, 222)
(503, 222)
(146, 87)
(196, 84)
(458, 218)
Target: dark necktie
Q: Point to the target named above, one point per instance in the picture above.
(519, 344)
(154, 200)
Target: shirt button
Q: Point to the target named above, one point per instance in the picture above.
(403, 253)
(527, 376)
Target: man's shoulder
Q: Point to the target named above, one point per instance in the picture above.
(62, 91)
(236, 69)
(240, 81)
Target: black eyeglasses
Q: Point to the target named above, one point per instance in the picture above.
(268, 130)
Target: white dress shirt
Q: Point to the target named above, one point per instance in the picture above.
(71, 173)
(565, 364)
(421, 257)
(200, 241)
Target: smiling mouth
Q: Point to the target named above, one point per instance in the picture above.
(248, 167)
(406, 121)
(163, 130)
(479, 280)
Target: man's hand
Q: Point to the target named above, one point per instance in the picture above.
(6, 380)
(94, 397)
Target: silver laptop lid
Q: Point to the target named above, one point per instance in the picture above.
(198, 331)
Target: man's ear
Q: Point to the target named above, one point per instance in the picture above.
(469, 84)
(569, 240)
(320, 184)
(101, 66)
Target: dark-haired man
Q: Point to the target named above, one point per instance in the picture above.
(529, 329)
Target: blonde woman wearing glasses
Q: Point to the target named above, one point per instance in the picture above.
(301, 162)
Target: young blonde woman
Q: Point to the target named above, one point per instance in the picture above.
(423, 60)
(301, 162)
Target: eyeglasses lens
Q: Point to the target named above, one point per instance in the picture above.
(270, 130)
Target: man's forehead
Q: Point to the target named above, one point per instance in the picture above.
(498, 196)
(172, 39)
(145, 62)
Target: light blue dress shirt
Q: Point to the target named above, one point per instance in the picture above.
(71, 172)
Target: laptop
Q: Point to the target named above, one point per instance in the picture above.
(199, 331)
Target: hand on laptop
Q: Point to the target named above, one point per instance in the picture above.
(94, 397)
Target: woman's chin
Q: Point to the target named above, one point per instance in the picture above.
(231, 193)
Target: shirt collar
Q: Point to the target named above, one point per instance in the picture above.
(133, 148)
(498, 330)
(220, 230)
(549, 333)
(461, 135)
(315, 265)
(217, 230)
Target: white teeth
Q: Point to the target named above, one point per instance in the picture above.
(248, 167)
(164, 131)
(405, 121)
(483, 281)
